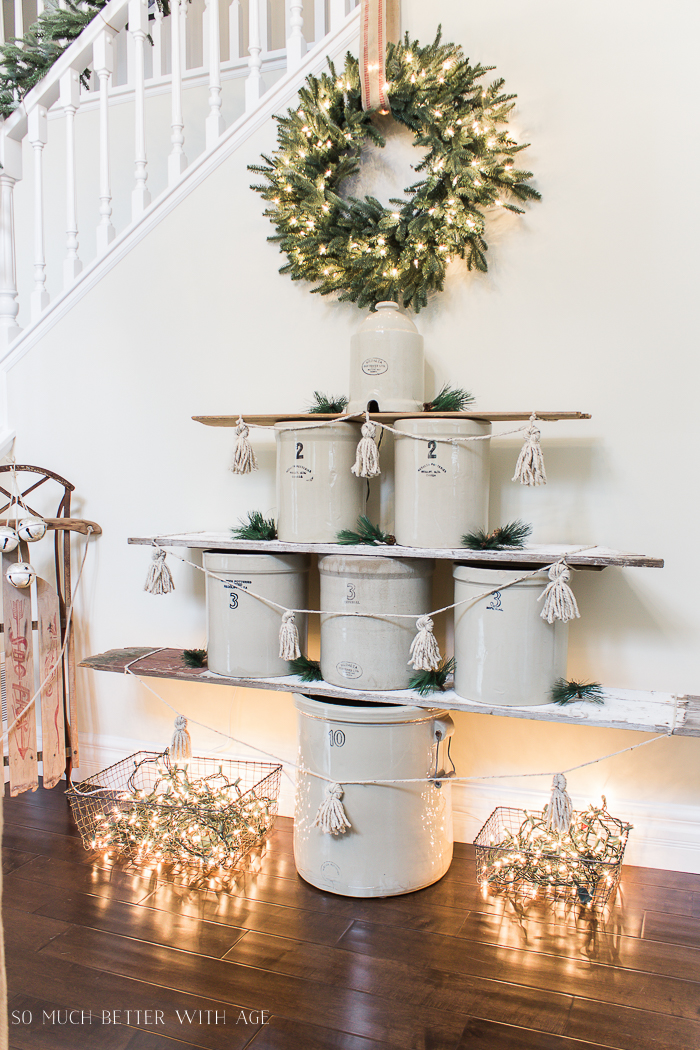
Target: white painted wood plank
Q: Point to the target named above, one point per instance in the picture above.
(538, 553)
(646, 712)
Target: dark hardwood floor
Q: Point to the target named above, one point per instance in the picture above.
(441, 969)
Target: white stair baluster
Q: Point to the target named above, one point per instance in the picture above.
(296, 44)
(37, 128)
(70, 100)
(177, 161)
(254, 86)
(10, 173)
(138, 29)
(215, 122)
(103, 64)
(39, 7)
(157, 34)
(234, 30)
(319, 20)
(19, 18)
(337, 13)
(2, 23)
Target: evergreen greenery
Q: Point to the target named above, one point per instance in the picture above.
(358, 248)
(565, 692)
(513, 534)
(366, 533)
(195, 657)
(322, 403)
(449, 400)
(255, 528)
(25, 60)
(426, 682)
(307, 670)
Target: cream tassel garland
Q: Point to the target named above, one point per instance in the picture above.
(560, 809)
(367, 458)
(425, 651)
(559, 599)
(529, 469)
(244, 460)
(181, 744)
(289, 638)
(159, 579)
(331, 818)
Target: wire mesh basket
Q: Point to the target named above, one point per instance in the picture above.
(201, 812)
(515, 851)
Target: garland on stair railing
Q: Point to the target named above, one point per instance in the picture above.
(25, 60)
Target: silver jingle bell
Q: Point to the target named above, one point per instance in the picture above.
(21, 574)
(8, 539)
(31, 529)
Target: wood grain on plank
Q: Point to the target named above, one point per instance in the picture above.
(385, 417)
(53, 738)
(19, 683)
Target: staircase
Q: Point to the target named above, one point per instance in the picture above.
(172, 79)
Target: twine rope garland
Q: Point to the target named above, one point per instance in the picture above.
(406, 780)
(375, 615)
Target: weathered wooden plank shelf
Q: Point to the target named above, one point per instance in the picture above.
(646, 712)
(544, 554)
(386, 417)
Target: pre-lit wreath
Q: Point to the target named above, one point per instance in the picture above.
(364, 251)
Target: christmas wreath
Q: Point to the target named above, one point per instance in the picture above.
(358, 248)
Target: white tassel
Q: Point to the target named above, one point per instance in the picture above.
(425, 651)
(529, 469)
(331, 817)
(244, 460)
(367, 458)
(560, 809)
(559, 599)
(159, 579)
(289, 638)
(181, 744)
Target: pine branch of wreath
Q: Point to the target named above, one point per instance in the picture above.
(357, 248)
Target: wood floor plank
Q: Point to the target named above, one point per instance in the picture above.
(102, 882)
(51, 1028)
(303, 1000)
(534, 969)
(72, 985)
(14, 858)
(631, 1029)
(283, 1034)
(152, 1041)
(678, 880)
(247, 914)
(589, 940)
(147, 924)
(406, 980)
(673, 929)
(29, 932)
(46, 843)
(488, 1035)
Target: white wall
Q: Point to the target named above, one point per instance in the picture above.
(588, 305)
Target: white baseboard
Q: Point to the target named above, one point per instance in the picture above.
(664, 836)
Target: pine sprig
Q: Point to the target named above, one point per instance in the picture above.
(567, 692)
(195, 657)
(256, 527)
(323, 403)
(366, 533)
(449, 400)
(426, 682)
(356, 248)
(307, 670)
(514, 534)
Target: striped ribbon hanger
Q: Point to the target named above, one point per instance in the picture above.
(380, 23)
